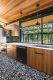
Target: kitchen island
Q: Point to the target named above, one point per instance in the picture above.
(38, 57)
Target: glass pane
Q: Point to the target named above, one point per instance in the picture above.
(25, 38)
(45, 38)
(22, 40)
(48, 23)
(48, 27)
(51, 39)
(37, 29)
(31, 37)
(37, 38)
(31, 30)
(48, 38)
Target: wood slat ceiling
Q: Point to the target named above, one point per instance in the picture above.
(10, 9)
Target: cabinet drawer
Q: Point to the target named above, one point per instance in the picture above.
(38, 51)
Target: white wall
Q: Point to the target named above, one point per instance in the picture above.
(1, 32)
(2, 39)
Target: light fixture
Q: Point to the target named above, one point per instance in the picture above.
(37, 23)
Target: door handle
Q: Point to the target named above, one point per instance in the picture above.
(38, 53)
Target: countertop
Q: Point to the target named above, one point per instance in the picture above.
(49, 47)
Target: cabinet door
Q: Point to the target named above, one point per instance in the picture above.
(11, 51)
(48, 60)
(30, 56)
(38, 59)
(51, 62)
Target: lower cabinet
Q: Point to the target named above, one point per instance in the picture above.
(48, 62)
(30, 52)
(11, 51)
(38, 59)
(41, 59)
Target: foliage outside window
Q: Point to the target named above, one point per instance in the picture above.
(33, 34)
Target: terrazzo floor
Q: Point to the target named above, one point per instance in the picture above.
(11, 69)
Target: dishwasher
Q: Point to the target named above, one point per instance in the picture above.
(21, 54)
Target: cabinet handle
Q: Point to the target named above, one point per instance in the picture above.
(38, 53)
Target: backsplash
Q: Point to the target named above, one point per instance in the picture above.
(12, 39)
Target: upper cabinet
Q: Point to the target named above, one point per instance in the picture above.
(12, 29)
(7, 32)
(15, 30)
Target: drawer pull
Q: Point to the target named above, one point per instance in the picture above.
(38, 53)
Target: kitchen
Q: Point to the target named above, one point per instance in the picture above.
(28, 42)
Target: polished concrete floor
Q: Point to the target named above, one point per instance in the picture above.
(11, 69)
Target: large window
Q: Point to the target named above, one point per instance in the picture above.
(48, 34)
(31, 34)
(39, 34)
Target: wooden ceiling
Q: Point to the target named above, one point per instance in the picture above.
(10, 10)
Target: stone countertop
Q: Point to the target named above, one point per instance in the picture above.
(48, 47)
